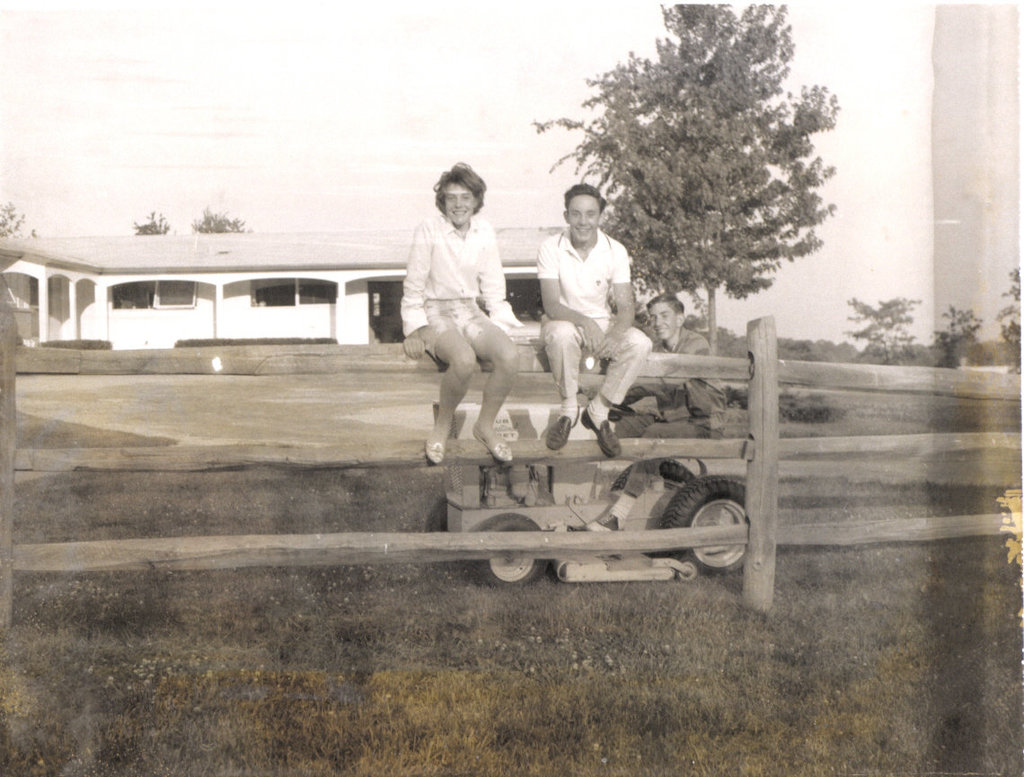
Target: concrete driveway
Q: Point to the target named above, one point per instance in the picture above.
(360, 406)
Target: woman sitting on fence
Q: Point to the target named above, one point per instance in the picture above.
(454, 261)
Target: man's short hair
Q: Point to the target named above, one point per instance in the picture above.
(465, 175)
(667, 298)
(587, 189)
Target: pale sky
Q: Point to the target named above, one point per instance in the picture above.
(306, 120)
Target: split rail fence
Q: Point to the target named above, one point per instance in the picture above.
(760, 452)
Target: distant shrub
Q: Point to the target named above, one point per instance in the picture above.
(990, 353)
(816, 350)
(800, 408)
(808, 409)
(255, 341)
(79, 345)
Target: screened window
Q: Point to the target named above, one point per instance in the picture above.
(154, 294)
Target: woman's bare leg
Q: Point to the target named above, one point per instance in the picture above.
(453, 349)
(494, 346)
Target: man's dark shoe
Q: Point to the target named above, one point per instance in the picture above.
(558, 434)
(607, 440)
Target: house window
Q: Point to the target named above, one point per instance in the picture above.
(154, 294)
(22, 290)
(288, 292)
(275, 293)
(175, 294)
(317, 292)
(139, 294)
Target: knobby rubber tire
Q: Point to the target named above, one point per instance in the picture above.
(710, 501)
(669, 469)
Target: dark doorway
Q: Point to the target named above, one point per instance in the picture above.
(385, 302)
(524, 297)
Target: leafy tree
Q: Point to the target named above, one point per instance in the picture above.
(706, 160)
(157, 225)
(952, 342)
(886, 328)
(1009, 319)
(217, 222)
(11, 221)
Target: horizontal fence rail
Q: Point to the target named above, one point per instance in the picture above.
(913, 380)
(353, 548)
(943, 527)
(195, 458)
(209, 457)
(324, 359)
(901, 445)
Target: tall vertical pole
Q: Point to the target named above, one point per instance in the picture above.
(763, 469)
(8, 347)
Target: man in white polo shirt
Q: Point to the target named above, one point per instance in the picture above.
(581, 271)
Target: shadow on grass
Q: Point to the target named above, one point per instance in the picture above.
(34, 432)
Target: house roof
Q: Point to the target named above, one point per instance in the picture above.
(233, 252)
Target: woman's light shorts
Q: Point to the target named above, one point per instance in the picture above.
(460, 315)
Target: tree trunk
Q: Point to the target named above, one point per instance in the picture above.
(712, 321)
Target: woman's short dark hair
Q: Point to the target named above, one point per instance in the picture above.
(587, 189)
(465, 175)
(667, 298)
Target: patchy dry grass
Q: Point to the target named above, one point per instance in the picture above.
(887, 660)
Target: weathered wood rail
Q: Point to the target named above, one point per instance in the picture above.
(202, 458)
(236, 551)
(322, 359)
(761, 455)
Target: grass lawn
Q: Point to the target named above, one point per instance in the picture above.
(885, 660)
(894, 659)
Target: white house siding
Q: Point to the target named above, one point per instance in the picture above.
(239, 318)
(161, 328)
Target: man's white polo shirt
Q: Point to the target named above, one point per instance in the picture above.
(585, 284)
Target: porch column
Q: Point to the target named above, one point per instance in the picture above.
(218, 304)
(44, 308)
(103, 310)
(73, 309)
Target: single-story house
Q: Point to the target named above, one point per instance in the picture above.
(151, 291)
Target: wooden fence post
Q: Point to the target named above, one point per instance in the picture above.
(8, 431)
(763, 469)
